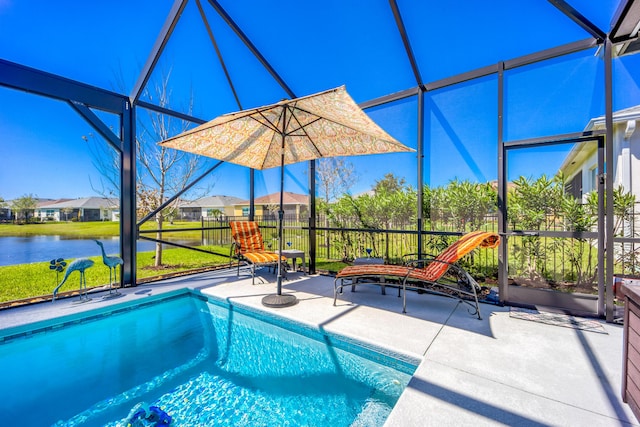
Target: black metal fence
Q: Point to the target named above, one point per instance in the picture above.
(556, 258)
(627, 243)
(564, 263)
(350, 242)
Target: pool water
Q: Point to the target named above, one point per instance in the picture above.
(203, 362)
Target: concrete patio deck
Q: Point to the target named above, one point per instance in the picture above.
(497, 371)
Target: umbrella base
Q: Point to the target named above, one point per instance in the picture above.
(278, 301)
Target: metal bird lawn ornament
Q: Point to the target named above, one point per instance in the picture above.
(112, 262)
(80, 264)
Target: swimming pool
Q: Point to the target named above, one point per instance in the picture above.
(202, 361)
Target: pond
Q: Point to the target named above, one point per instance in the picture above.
(25, 250)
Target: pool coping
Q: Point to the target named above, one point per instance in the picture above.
(521, 365)
(41, 326)
(401, 361)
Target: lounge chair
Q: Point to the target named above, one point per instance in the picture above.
(248, 246)
(436, 275)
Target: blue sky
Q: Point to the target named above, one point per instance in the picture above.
(44, 152)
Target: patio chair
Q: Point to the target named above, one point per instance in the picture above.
(435, 275)
(248, 246)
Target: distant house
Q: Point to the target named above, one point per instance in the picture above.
(580, 167)
(83, 210)
(5, 212)
(296, 206)
(208, 207)
(9, 214)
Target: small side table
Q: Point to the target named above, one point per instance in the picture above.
(294, 254)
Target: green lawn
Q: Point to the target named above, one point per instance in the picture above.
(77, 229)
(86, 229)
(25, 281)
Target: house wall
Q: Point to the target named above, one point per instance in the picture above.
(190, 214)
(43, 214)
(243, 210)
(296, 211)
(78, 214)
(626, 163)
(584, 163)
(226, 211)
(627, 160)
(589, 175)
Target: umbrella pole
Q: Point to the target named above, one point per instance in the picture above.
(280, 299)
(280, 228)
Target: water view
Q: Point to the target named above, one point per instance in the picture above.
(25, 250)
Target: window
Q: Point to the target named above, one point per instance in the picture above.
(574, 187)
(593, 178)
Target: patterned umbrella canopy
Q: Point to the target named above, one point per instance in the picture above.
(326, 124)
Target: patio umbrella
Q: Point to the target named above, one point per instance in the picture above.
(326, 124)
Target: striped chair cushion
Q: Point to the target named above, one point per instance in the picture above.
(458, 249)
(433, 271)
(262, 257)
(249, 243)
(247, 236)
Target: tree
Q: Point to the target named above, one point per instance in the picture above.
(273, 209)
(534, 205)
(389, 184)
(580, 217)
(161, 172)
(341, 214)
(106, 161)
(3, 205)
(214, 213)
(392, 205)
(335, 177)
(66, 212)
(469, 203)
(22, 206)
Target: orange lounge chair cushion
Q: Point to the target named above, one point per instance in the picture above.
(249, 243)
(247, 235)
(262, 257)
(378, 270)
(434, 270)
(458, 249)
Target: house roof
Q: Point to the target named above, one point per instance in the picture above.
(45, 202)
(212, 202)
(631, 113)
(85, 203)
(274, 199)
(577, 154)
(39, 202)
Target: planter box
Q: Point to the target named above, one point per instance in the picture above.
(573, 303)
(631, 356)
